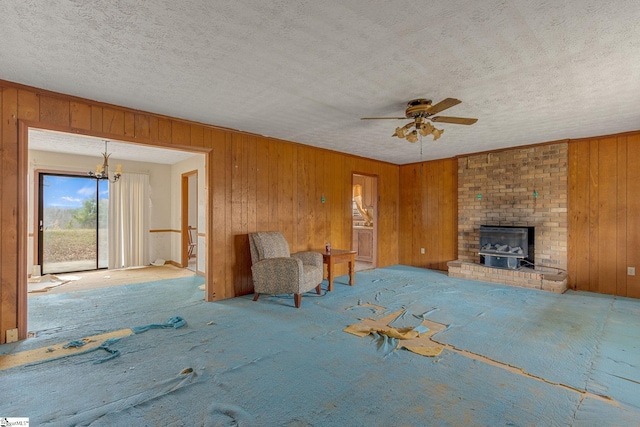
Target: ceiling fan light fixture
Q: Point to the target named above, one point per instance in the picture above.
(413, 136)
(402, 132)
(426, 129)
(422, 112)
(437, 133)
(399, 133)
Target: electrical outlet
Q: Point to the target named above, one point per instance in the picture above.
(422, 251)
(631, 271)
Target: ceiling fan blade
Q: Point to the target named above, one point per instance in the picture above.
(454, 120)
(384, 118)
(443, 105)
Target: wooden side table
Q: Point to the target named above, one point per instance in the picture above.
(336, 256)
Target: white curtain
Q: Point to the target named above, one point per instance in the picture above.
(129, 221)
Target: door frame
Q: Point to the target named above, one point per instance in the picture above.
(37, 214)
(376, 199)
(23, 205)
(184, 222)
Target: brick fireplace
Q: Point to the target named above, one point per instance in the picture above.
(524, 187)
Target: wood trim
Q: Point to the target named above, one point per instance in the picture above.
(184, 218)
(10, 314)
(23, 244)
(184, 212)
(166, 230)
(118, 137)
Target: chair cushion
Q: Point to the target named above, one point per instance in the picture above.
(271, 244)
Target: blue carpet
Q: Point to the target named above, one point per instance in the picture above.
(266, 363)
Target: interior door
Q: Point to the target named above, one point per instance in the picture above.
(72, 223)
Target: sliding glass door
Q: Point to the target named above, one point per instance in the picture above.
(73, 223)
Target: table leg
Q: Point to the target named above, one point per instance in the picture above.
(330, 273)
(351, 271)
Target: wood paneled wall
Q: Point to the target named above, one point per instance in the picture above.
(254, 183)
(429, 213)
(604, 214)
(273, 185)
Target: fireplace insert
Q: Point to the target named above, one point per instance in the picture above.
(507, 246)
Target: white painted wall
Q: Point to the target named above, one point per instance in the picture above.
(161, 198)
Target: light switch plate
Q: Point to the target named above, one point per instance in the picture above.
(631, 271)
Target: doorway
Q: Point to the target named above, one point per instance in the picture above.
(55, 155)
(72, 223)
(55, 152)
(365, 220)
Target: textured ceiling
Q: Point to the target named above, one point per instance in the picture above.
(530, 70)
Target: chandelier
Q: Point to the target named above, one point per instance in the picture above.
(102, 171)
(422, 127)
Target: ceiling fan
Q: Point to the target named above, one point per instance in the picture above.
(422, 112)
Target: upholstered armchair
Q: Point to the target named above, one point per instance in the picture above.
(276, 271)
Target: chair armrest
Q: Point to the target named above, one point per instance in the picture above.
(284, 271)
(309, 257)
